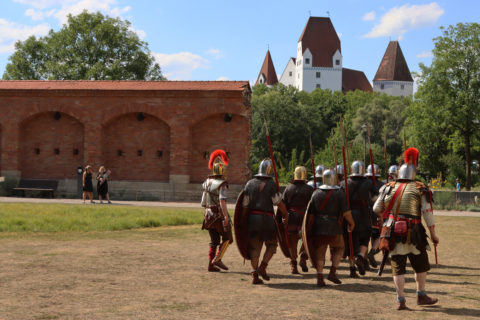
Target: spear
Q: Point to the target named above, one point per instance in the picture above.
(313, 164)
(334, 152)
(270, 149)
(345, 177)
(385, 154)
(371, 156)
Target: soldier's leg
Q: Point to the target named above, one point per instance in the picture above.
(421, 265)
(336, 248)
(303, 258)
(214, 242)
(320, 245)
(226, 240)
(271, 249)
(398, 263)
(375, 241)
(293, 241)
(254, 248)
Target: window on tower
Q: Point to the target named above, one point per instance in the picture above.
(402, 87)
(307, 61)
(318, 86)
(337, 62)
(290, 74)
(382, 86)
(318, 74)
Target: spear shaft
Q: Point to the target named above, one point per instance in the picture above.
(345, 177)
(313, 165)
(371, 156)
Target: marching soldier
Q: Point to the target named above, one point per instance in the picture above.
(216, 219)
(323, 226)
(375, 238)
(318, 175)
(360, 191)
(340, 173)
(392, 173)
(296, 198)
(260, 195)
(411, 201)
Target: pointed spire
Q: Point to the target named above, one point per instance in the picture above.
(267, 74)
(393, 66)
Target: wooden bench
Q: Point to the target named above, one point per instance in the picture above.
(41, 185)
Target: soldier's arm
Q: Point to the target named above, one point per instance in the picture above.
(427, 213)
(379, 205)
(222, 196)
(347, 215)
(283, 210)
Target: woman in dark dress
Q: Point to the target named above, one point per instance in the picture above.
(102, 184)
(87, 184)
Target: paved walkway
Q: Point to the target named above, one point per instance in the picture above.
(179, 205)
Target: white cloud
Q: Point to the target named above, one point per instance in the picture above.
(11, 32)
(42, 4)
(223, 79)
(179, 66)
(398, 20)
(425, 54)
(78, 6)
(39, 15)
(339, 34)
(369, 16)
(216, 53)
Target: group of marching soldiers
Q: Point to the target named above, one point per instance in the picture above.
(345, 215)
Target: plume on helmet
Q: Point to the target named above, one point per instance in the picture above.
(411, 156)
(217, 153)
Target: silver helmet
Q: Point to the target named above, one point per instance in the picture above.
(369, 170)
(329, 180)
(319, 171)
(358, 169)
(393, 171)
(265, 169)
(340, 169)
(407, 171)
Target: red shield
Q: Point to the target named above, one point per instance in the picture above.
(282, 234)
(308, 221)
(241, 228)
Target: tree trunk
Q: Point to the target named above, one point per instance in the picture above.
(469, 162)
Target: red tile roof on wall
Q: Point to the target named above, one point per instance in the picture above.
(355, 80)
(320, 37)
(393, 66)
(124, 85)
(268, 71)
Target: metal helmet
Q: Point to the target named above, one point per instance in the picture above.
(218, 162)
(329, 180)
(369, 170)
(407, 171)
(300, 173)
(319, 171)
(265, 169)
(340, 170)
(393, 171)
(358, 169)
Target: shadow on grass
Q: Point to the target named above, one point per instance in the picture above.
(453, 311)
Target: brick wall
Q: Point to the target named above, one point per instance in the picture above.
(142, 131)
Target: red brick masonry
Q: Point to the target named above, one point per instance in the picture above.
(141, 130)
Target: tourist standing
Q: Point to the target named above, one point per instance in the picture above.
(87, 184)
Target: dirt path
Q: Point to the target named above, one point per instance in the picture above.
(161, 274)
(181, 205)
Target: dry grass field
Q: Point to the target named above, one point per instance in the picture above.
(160, 273)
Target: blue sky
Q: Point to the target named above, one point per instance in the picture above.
(227, 40)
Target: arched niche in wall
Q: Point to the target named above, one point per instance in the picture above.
(136, 146)
(226, 131)
(51, 146)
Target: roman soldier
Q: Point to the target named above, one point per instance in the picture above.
(361, 191)
(392, 173)
(323, 226)
(296, 197)
(376, 224)
(407, 201)
(216, 219)
(340, 172)
(260, 196)
(318, 175)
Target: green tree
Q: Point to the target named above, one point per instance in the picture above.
(89, 47)
(449, 90)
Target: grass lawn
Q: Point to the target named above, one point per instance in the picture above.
(27, 217)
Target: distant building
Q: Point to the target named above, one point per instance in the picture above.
(319, 62)
(267, 74)
(393, 76)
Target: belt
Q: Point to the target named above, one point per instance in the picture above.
(408, 219)
(261, 213)
(299, 210)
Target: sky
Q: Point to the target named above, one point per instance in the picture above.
(228, 40)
